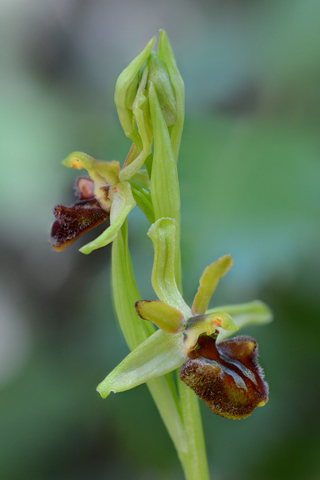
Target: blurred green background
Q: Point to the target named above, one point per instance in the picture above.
(249, 171)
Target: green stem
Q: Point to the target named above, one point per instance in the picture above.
(135, 331)
(195, 462)
(181, 416)
(165, 194)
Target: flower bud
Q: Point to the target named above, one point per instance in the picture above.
(159, 76)
(127, 87)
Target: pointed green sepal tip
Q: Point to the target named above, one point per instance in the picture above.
(168, 318)
(102, 393)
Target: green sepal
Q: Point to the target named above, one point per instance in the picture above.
(158, 355)
(125, 93)
(122, 203)
(208, 282)
(163, 236)
(159, 76)
(244, 315)
(168, 318)
(165, 54)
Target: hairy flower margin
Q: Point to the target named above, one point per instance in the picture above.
(223, 372)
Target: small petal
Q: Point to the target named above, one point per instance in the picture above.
(226, 376)
(168, 318)
(156, 356)
(208, 282)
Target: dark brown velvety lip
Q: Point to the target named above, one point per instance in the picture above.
(72, 222)
(226, 376)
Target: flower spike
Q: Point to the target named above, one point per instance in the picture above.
(223, 372)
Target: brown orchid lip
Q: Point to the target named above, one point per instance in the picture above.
(226, 376)
(72, 222)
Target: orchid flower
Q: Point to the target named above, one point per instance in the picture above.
(223, 373)
(113, 192)
(105, 195)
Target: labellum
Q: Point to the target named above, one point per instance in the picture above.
(226, 376)
(72, 222)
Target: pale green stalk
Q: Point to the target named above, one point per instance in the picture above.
(196, 458)
(165, 195)
(135, 331)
